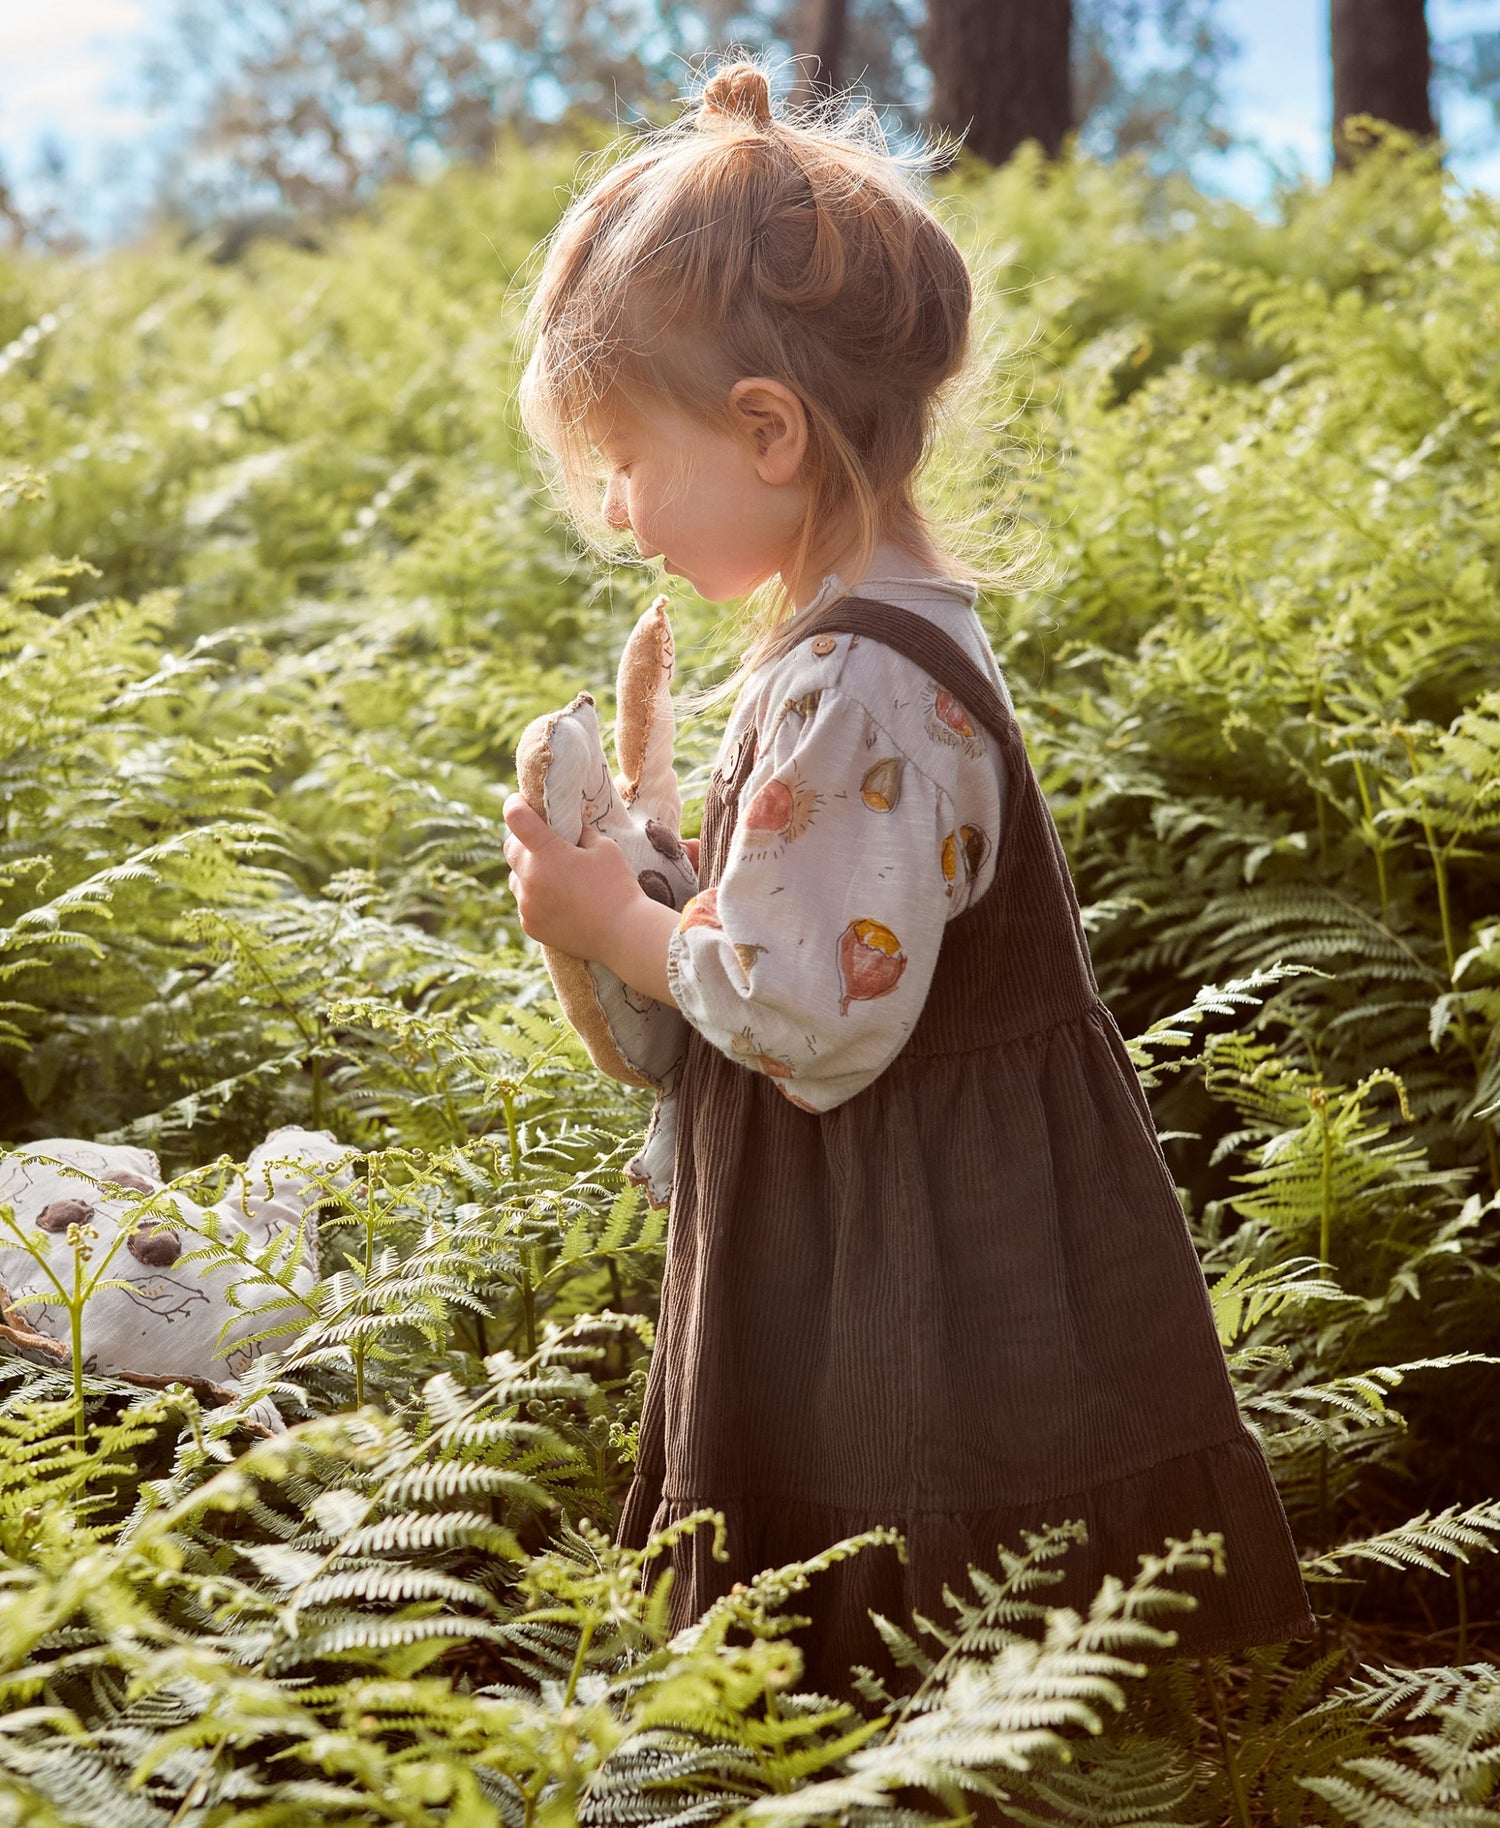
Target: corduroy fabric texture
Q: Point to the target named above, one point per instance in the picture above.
(964, 1303)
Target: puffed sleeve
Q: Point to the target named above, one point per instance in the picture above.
(811, 958)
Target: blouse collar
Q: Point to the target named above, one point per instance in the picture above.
(833, 587)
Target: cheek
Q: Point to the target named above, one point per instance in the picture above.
(630, 496)
(660, 516)
(642, 507)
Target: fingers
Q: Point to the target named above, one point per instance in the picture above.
(528, 830)
(690, 845)
(526, 823)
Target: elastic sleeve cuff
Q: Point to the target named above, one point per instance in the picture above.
(704, 997)
(680, 980)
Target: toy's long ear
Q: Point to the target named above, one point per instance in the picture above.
(644, 722)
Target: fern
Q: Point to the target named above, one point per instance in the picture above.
(1444, 1776)
(1425, 1541)
(277, 599)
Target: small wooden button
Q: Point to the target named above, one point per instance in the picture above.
(824, 645)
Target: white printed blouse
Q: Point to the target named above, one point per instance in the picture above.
(869, 820)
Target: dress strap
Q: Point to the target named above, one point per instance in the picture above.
(919, 640)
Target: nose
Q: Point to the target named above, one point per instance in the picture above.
(615, 515)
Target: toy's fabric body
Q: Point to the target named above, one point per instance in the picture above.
(155, 1312)
(562, 772)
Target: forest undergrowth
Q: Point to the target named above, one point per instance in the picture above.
(280, 591)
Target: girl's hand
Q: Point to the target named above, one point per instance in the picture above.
(583, 899)
(568, 895)
(690, 845)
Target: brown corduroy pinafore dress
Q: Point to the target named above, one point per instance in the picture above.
(964, 1303)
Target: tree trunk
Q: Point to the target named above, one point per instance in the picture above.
(829, 19)
(1001, 72)
(1382, 62)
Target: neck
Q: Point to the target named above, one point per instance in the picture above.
(887, 559)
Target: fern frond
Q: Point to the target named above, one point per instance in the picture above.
(1429, 1541)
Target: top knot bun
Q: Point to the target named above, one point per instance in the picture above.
(739, 92)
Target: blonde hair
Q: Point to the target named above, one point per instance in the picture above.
(738, 242)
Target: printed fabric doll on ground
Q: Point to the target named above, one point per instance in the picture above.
(155, 1315)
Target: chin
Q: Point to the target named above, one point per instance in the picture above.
(721, 590)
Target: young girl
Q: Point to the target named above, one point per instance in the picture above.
(927, 1267)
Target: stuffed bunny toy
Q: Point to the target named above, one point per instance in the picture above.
(154, 1317)
(562, 772)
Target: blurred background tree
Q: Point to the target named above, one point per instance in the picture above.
(46, 219)
(306, 107)
(1148, 76)
(1002, 72)
(280, 113)
(1382, 66)
(1469, 64)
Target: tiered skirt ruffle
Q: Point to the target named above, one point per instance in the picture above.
(1223, 1487)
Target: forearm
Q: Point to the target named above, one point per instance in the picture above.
(636, 947)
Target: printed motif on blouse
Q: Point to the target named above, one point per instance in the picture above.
(870, 818)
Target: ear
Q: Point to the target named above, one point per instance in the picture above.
(775, 421)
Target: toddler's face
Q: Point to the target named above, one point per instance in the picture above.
(693, 495)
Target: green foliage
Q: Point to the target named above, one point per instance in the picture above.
(276, 597)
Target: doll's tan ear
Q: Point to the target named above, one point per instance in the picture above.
(643, 720)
